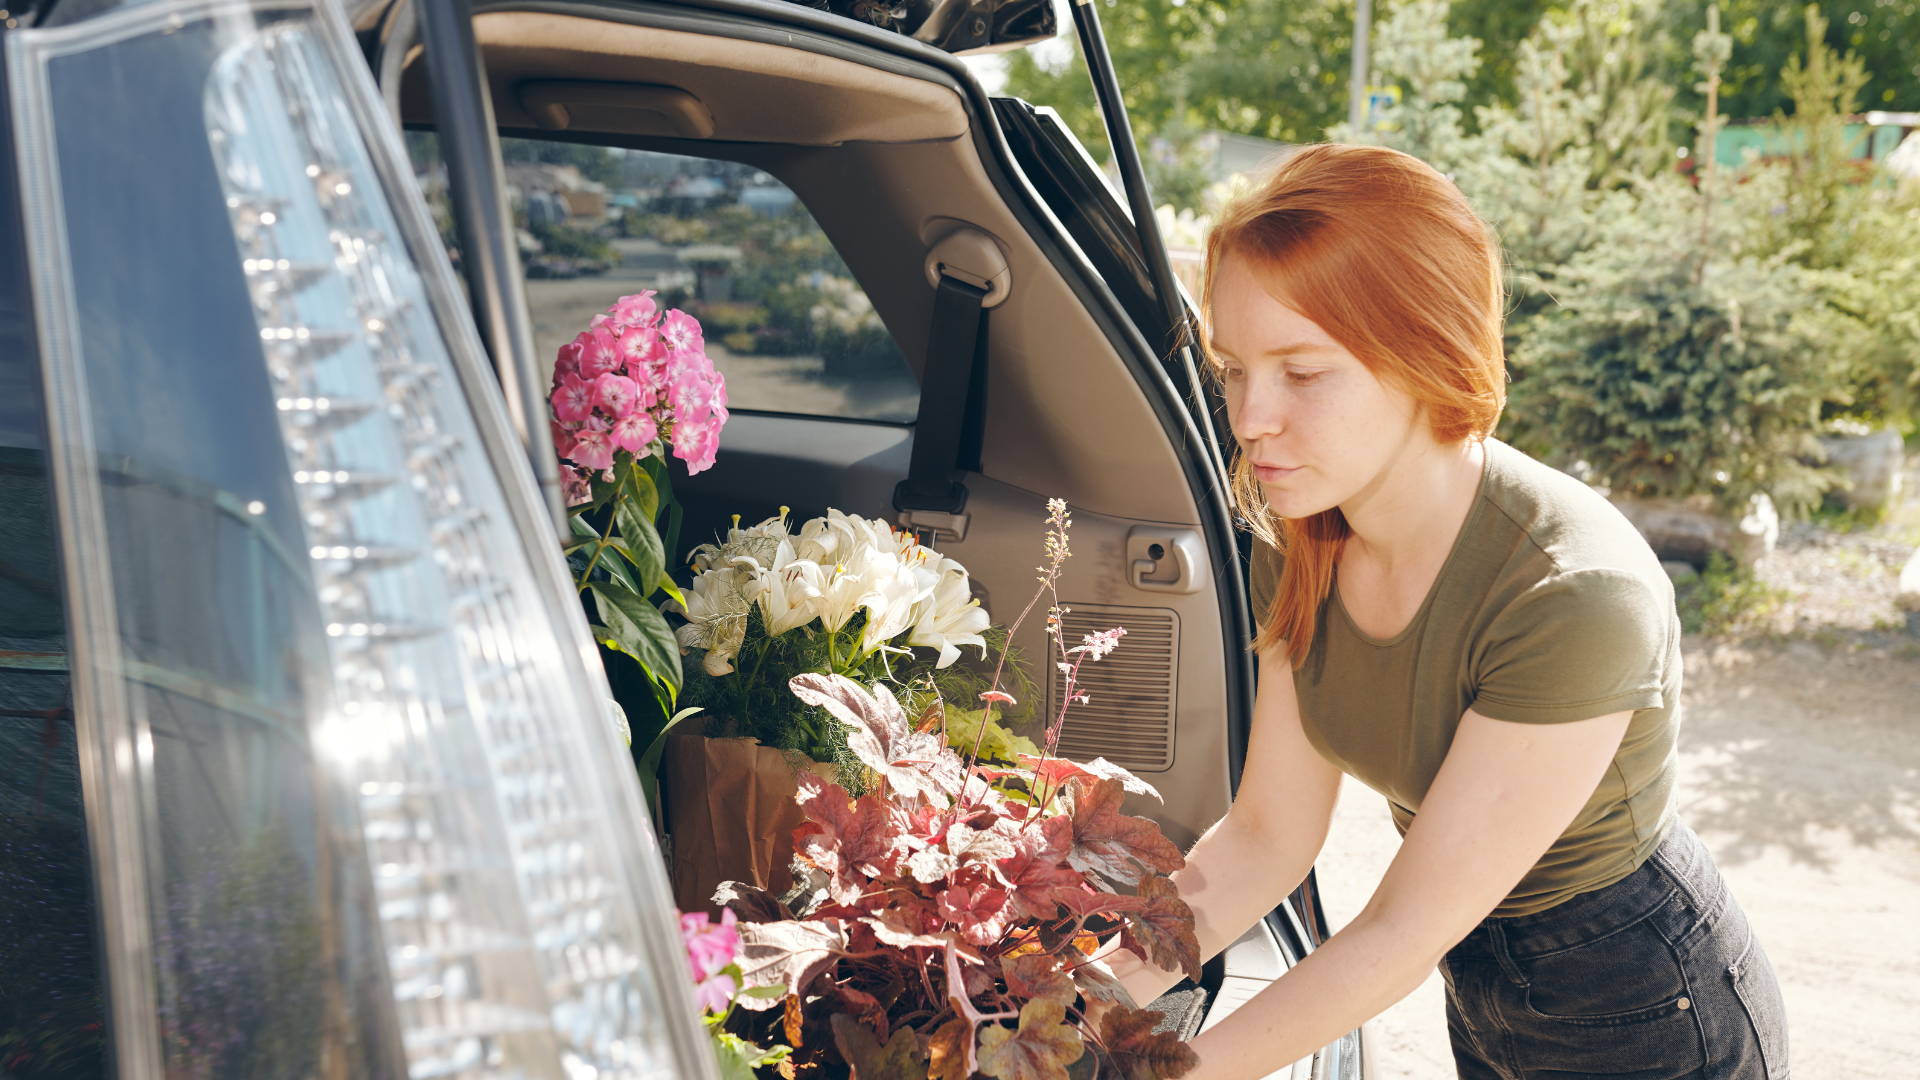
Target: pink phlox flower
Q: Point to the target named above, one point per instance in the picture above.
(1100, 644)
(714, 994)
(615, 395)
(562, 437)
(635, 310)
(567, 361)
(710, 947)
(573, 400)
(575, 485)
(634, 431)
(600, 355)
(719, 393)
(697, 443)
(639, 345)
(593, 446)
(691, 396)
(598, 321)
(681, 332)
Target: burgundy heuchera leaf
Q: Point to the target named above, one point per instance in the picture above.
(1107, 841)
(900, 1059)
(1038, 866)
(1162, 933)
(1140, 1052)
(852, 840)
(981, 914)
(1037, 976)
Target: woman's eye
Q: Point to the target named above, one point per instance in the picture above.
(1303, 378)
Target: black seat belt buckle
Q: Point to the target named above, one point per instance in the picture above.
(951, 501)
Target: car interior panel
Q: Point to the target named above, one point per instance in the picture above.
(1065, 416)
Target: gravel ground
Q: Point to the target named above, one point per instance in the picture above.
(1800, 768)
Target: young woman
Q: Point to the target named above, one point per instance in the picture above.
(1481, 639)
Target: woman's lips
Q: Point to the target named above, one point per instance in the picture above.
(1273, 474)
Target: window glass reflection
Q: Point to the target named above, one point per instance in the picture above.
(785, 320)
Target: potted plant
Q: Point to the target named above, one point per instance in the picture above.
(948, 923)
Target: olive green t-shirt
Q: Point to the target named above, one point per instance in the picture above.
(1549, 609)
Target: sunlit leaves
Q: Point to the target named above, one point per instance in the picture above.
(1040, 1049)
(1162, 932)
(1138, 1051)
(789, 954)
(1108, 842)
(913, 764)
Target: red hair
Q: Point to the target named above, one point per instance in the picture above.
(1386, 256)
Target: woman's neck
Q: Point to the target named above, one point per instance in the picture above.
(1403, 526)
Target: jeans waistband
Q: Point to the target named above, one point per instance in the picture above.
(1680, 866)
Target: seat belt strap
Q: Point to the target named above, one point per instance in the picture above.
(946, 389)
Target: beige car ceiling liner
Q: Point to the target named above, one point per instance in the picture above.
(563, 72)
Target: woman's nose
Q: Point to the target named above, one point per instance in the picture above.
(1261, 412)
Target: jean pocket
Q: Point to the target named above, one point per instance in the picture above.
(1759, 992)
(1628, 977)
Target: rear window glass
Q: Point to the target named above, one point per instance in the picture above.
(784, 319)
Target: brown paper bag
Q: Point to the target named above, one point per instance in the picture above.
(729, 805)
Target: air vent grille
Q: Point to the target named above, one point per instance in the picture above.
(1129, 719)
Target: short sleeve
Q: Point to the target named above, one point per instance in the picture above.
(1573, 647)
(1263, 580)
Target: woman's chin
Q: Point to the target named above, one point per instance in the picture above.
(1290, 501)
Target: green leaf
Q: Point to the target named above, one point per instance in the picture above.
(617, 569)
(639, 630)
(738, 1058)
(641, 545)
(656, 467)
(667, 586)
(603, 490)
(763, 992)
(639, 490)
(650, 764)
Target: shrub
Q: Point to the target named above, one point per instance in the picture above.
(1671, 374)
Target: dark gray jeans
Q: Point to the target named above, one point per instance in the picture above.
(1655, 977)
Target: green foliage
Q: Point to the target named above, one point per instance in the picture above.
(754, 700)
(1725, 599)
(1767, 33)
(569, 242)
(622, 563)
(1671, 376)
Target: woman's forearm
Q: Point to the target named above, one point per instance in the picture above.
(1350, 979)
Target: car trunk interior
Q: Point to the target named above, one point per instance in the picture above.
(885, 157)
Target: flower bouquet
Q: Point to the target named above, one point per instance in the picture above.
(953, 909)
(842, 595)
(839, 595)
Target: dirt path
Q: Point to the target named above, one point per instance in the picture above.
(1800, 767)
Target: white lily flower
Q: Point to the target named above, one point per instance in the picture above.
(716, 614)
(896, 588)
(791, 591)
(950, 617)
